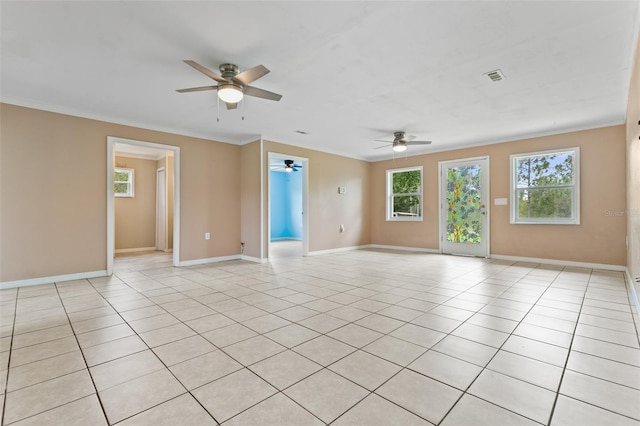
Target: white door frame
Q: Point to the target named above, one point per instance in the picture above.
(305, 198)
(161, 209)
(486, 198)
(111, 141)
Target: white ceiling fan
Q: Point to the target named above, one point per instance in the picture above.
(288, 166)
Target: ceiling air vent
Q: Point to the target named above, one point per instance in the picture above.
(495, 75)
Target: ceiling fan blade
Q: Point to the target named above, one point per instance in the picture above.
(385, 146)
(261, 93)
(197, 89)
(419, 143)
(231, 106)
(251, 75)
(205, 71)
(383, 140)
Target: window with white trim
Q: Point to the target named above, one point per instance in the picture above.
(123, 182)
(545, 187)
(404, 194)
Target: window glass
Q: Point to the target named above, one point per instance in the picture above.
(545, 187)
(123, 182)
(404, 194)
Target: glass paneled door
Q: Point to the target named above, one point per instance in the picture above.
(464, 192)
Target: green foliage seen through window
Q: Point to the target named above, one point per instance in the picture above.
(545, 186)
(406, 182)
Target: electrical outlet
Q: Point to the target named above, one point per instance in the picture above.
(207, 235)
(341, 228)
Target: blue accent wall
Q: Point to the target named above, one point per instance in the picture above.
(286, 205)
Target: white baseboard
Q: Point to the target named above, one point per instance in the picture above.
(133, 250)
(417, 249)
(632, 290)
(209, 260)
(52, 279)
(604, 266)
(338, 250)
(253, 259)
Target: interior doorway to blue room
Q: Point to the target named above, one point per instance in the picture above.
(287, 200)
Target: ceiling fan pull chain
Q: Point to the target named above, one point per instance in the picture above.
(244, 108)
(218, 113)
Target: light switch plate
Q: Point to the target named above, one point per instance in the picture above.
(342, 190)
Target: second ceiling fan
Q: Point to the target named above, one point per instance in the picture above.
(288, 166)
(233, 84)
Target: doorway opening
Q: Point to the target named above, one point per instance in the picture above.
(287, 199)
(143, 213)
(464, 207)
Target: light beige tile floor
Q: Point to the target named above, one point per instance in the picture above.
(367, 337)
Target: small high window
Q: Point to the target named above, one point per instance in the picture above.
(404, 194)
(545, 187)
(123, 182)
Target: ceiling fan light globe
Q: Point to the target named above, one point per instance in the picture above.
(230, 94)
(288, 169)
(399, 147)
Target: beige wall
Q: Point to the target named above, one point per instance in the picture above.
(209, 199)
(53, 196)
(328, 209)
(53, 178)
(633, 170)
(600, 238)
(250, 198)
(135, 217)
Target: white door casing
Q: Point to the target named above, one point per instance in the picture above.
(161, 210)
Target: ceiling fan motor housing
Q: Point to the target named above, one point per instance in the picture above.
(398, 135)
(229, 71)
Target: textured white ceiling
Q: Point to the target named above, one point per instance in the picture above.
(349, 72)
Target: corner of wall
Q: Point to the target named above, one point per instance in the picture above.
(633, 171)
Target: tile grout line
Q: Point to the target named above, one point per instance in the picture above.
(566, 362)
(6, 384)
(75, 336)
(465, 392)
